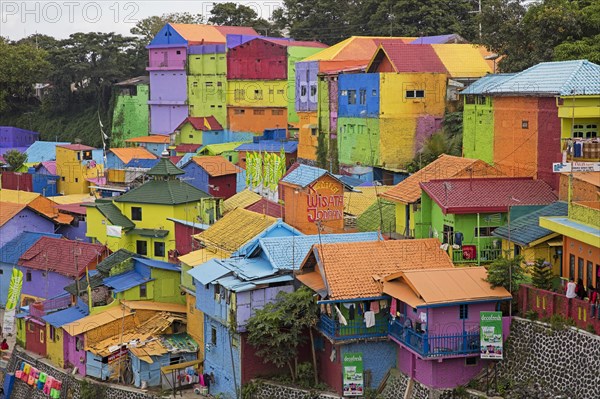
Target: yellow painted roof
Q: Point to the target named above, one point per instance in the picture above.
(240, 200)
(72, 199)
(357, 203)
(235, 229)
(463, 60)
(203, 255)
(158, 139)
(150, 305)
(17, 197)
(355, 48)
(129, 153)
(91, 322)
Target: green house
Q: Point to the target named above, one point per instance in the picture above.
(131, 112)
(463, 213)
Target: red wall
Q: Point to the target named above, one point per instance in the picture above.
(253, 366)
(183, 238)
(32, 339)
(257, 59)
(330, 372)
(226, 186)
(549, 145)
(14, 181)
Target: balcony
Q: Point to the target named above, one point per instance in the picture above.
(465, 343)
(40, 309)
(484, 255)
(354, 330)
(166, 65)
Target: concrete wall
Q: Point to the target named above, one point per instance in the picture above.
(26, 220)
(131, 115)
(222, 359)
(207, 95)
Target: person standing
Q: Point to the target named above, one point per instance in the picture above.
(595, 301)
(580, 290)
(571, 287)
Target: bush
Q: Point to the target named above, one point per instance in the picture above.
(590, 328)
(531, 315)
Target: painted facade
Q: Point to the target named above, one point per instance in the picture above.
(207, 82)
(14, 137)
(75, 163)
(218, 178)
(131, 112)
(24, 219)
(255, 120)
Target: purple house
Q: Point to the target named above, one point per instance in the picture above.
(14, 137)
(306, 86)
(436, 329)
(17, 218)
(52, 263)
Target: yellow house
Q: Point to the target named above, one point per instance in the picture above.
(193, 129)
(580, 120)
(257, 93)
(75, 164)
(524, 236)
(407, 193)
(137, 220)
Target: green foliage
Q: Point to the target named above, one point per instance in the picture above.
(15, 159)
(590, 328)
(250, 389)
(90, 390)
(277, 330)
(542, 276)
(587, 48)
(531, 315)
(234, 14)
(559, 322)
(460, 392)
(371, 393)
(322, 151)
(507, 273)
(150, 26)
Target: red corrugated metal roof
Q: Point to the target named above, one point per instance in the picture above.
(187, 147)
(411, 57)
(236, 30)
(487, 195)
(73, 208)
(266, 207)
(294, 43)
(202, 123)
(77, 147)
(59, 255)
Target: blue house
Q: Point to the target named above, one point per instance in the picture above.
(358, 95)
(10, 254)
(229, 291)
(42, 151)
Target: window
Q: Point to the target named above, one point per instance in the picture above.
(194, 84)
(42, 336)
(30, 327)
(344, 93)
(178, 52)
(524, 124)
(470, 99)
(463, 312)
(28, 276)
(239, 94)
(580, 268)
(217, 293)
(159, 249)
(351, 96)
(143, 291)
(258, 112)
(590, 273)
(219, 84)
(78, 344)
(87, 155)
(303, 90)
(52, 334)
(176, 360)
(471, 361)
(1, 271)
(571, 266)
(374, 93)
(191, 136)
(484, 231)
(313, 90)
(136, 213)
(141, 247)
(213, 336)
(448, 235)
(313, 131)
(76, 180)
(239, 111)
(415, 94)
(258, 94)
(280, 91)
(62, 178)
(362, 97)
(209, 84)
(277, 112)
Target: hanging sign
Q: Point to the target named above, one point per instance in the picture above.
(352, 367)
(490, 335)
(325, 201)
(12, 301)
(576, 167)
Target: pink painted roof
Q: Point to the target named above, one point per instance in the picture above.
(296, 43)
(266, 207)
(50, 166)
(73, 208)
(77, 147)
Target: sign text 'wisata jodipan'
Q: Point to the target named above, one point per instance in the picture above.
(325, 201)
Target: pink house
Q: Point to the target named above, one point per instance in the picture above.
(436, 324)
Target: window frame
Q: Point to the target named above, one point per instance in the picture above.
(136, 213)
(137, 247)
(160, 244)
(463, 311)
(351, 97)
(143, 291)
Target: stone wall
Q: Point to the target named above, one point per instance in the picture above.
(270, 390)
(70, 384)
(563, 361)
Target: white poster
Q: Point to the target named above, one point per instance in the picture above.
(113, 231)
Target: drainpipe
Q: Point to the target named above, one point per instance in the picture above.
(478, 246)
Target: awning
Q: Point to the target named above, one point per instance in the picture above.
(313, 281)
(208, 272)
(151, 233)
(557, 243)
(402, 292)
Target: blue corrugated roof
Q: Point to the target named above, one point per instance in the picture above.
(66, 316)
(481, 86)
(278, 228)
(586, 228)
(185, 159)
(142, 163)
(158, 264)
(439, 39)
(208, 271)
(123, 282)
(270, 146)
(565, 78)
(200, 226)
(235, 284)
(41, 151)
(526, 229)
(303, 175)
(287, 253)
(12, 250)
(250, 268)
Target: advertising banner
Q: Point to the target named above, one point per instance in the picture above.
(12, 301)
(490, 335)
(352, 368)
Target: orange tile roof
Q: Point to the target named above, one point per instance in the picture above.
(216, 165)
(50, 209)
(408, 190)
(198, 33)
(8, 210)
(355, 48)
(129, 153)
(349, 267)
(159, 139)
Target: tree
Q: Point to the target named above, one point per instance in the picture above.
(15, 159)
(234, 14)
(149, 27)
(507, 273)
(278, 330)
(322, 151)
(542, 275)
(585, 49)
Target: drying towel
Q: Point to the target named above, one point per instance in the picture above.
(341, 316)
(375, 307)
(370, 318)
(393, 308)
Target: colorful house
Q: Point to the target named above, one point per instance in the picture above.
(42, 151)
(14, 138)
(194, 129)
(313, 199)
(168, 64)
(582, 186)
(226, 150)
(581, 241)
(75, 164)
(10, 253)
(516, 122)
(156, 144)
(131, 113)
(524, 236)
(184, 243)
(51, 264)
(438, 330)
(355, 313)
(463, 213)
(212, 174)
(117, 158)
(267, 207)
(407, 194)
(130, 221)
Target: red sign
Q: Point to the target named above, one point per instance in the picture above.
(324, 202)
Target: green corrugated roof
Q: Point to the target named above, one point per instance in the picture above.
(114, 259)
(163, 192)
(151, 232)
(165, 167)
(95, 282)
(218, 149)
(370, 220)
(113, 214)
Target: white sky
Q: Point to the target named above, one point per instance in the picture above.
(61, 18)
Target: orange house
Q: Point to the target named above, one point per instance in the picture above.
(312, 197)
(256, 119)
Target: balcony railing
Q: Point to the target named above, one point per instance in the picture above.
(485, 255)
(355, 329)
(426, 345)
(40, 309)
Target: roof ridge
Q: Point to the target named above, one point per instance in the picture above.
(571, 77)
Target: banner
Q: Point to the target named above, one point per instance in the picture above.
(113, 231)
(352, 369)
(490, 335)
(12, 301)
